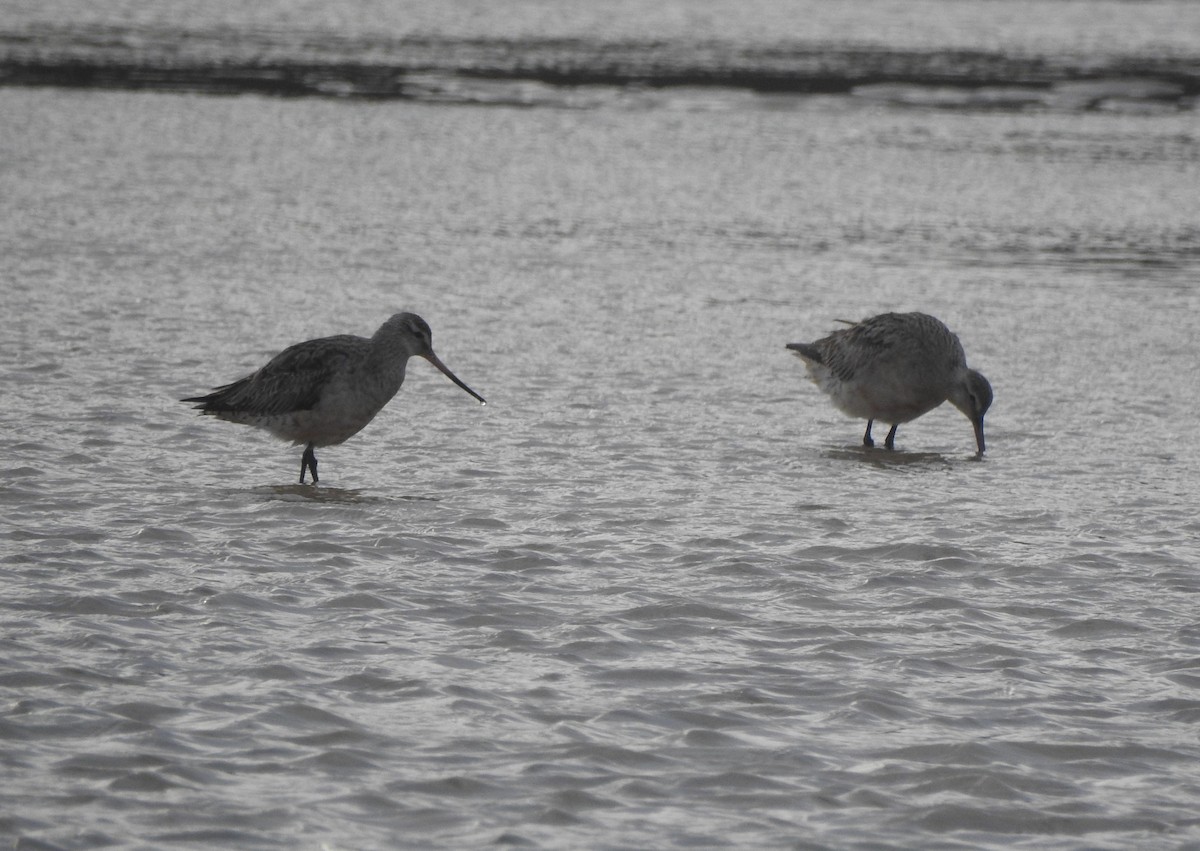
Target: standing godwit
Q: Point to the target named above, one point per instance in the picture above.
(323, 392)
(895, 367)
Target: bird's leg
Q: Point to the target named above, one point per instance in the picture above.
(890, 443)
(308, 461)
(867, 441)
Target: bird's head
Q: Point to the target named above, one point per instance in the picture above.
(412, 334)
(973, 396)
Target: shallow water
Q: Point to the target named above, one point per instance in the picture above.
(654, 594)
(1077, 26)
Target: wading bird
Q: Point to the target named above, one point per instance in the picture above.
(323, 392)
(895, 367)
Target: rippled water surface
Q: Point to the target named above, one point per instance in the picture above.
(655, 594)
(1076, 25)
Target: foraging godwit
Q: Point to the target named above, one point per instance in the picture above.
(895, 367)
(323, 392)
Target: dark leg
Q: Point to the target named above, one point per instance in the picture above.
(890, 443)
(867, 441)
(308, 461)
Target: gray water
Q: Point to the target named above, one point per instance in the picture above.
(1095, 27)
(655, 594)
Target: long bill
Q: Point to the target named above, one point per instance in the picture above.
(978, 423)
(436, 361)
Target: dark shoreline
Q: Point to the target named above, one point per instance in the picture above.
(404, 69)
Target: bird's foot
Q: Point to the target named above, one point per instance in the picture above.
(308, 461)
(867, 441)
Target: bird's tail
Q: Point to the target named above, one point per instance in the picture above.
(218, 401)
(806, 351)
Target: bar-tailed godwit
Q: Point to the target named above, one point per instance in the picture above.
(323, 392)
(895, 367)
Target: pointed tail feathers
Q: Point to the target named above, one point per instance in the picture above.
(806, 351)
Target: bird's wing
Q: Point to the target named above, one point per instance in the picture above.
(293, 380)
(848, 351)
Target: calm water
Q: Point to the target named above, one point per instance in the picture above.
(655, 594)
